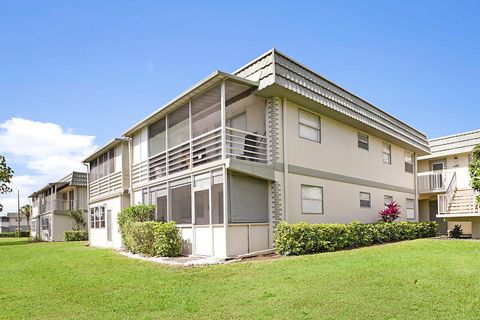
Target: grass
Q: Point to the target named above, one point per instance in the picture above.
(421, 279)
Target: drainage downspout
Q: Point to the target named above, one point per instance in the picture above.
(130, 165)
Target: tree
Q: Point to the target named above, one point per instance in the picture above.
(6, 174)
(26, 210)
(474, 170)
(78, 217)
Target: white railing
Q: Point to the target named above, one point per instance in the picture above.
(105, 185)
(432, 181)
(61, 205)
(444, 200)
(205, 148)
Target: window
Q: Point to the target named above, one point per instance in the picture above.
(182, 204)
(387, 200)
(387, 153)
(161, 209)
(362, 141)
(408, 162)
(97, 217)
(45, 223)
(365, 200)
(103, 165)
(202, 207)
(217, 202)
(308, 126)
(410, 209)
(312, 199)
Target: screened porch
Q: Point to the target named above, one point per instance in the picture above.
(224, 121)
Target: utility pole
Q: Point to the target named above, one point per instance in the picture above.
(18, 212)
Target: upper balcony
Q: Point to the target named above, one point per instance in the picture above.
(224, 122)
(57, 205)
(438, 181)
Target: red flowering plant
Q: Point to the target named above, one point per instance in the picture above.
(390, 213)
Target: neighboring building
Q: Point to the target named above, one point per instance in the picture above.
(237, 153)
(444, 183)
(51, 204)
(9, 222)
(109, 182)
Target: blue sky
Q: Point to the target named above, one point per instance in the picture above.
(93, 68)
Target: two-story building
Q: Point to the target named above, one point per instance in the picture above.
(9, 222)
(51, 204)
(444, 184)
(108, 192)
(234, 155)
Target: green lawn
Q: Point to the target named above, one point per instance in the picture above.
(421, 279)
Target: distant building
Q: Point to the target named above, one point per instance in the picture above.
(9, 222)
(51, 204)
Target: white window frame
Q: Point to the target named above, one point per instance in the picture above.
(410, 210)
(389, 154)
(322, 211)
(365, 142)
(385, 199)
(300, 124)
(369, 200)
(94, 219)
(410, 164)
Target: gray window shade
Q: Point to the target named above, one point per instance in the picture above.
(248, 199)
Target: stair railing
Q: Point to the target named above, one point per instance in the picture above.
(444, 200)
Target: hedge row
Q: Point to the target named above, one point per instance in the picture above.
(75, 235)
(142, 235)
(13, 234)
(302, 238)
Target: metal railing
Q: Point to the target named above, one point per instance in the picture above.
(205, 148)
(444, 200)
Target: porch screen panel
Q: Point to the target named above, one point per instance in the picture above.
(248, 199)
(202, 208)
(178, 126)
(156, 137)
(206, 112)
(181, 204)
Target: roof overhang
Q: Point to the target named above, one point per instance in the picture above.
(56, 184)
(205, 84)
(103, 149)
(277, 90)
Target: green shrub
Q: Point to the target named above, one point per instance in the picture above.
(456, 231)
(76, 235)
(153, 238)
(129, 215)
(303, 238)
(14, 234)
(136, 213)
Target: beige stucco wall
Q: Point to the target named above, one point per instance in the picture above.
(341, 201)
(460, 166)
(338, 153)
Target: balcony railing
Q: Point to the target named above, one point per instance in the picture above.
(60, 205)
(444, 200)
(205, 148)
(434, 181)
(107, 184)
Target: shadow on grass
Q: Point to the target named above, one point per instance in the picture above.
(14, 243)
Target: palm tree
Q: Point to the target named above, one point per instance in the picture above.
(26, 210)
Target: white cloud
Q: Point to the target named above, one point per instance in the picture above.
(44, 150)
(149, 66)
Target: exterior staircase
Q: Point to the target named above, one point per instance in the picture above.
(463, 202)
